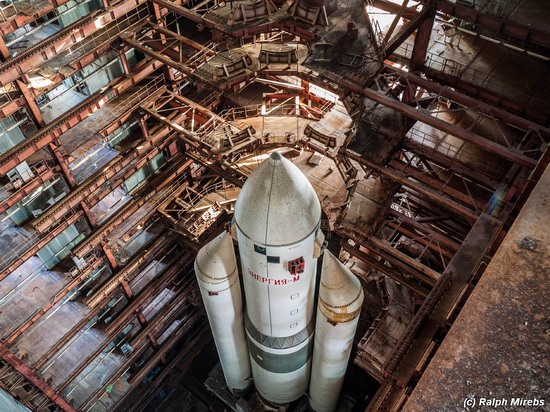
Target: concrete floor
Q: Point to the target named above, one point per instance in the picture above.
(484, 63)
(26, 298)
(28, 40)
(66, 100)
(13, 239)
(107, 206)
(97, 157)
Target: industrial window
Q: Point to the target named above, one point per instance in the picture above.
(259, 249)
(297, 266)
(273, 259)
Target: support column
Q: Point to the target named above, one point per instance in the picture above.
(166, 70)
(422, 38)
(89, 215)
(4, 52)
(63, 164)
(110, 256)
(144, 128)
(34, 111)
(124, 61)
(127, 289)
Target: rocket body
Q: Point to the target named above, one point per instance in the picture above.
(277, 217)
(218, 279)
(340, 301)
(277, 228)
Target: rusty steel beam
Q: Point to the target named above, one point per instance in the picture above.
(235, 176)
(418, 238)
(89, 358)
(46, 135)
(182, 330)
(136, 353)
(183, 39)
(184, 358)
(33, 378)
(423, 35)
(11, 106)
(408, 13)
(423, 116)
(19, 260)
(166, 275)
(496, 24)
(76, 279)
(435, 157)
(416, 22)
(393, 259)
(470, 102)
(395, 21)
(173, 305)
(159, 246)
(28, 188)
(20, 19)
(163, 180)
(386, 247)
(115, 328)
(127, 364)
(466, 135)
(202, 155)
(403, 179)
(410, 352)
(58, 156)
(32, 107)
(533, 113)
(153, 330)
(289, 24)
(87, 190)
(437, 184)
(418, 287)
(165, 316)
(166, 60)
(62, 40)
(81, 61)
(122, 177)
(77, 327)
(43, 137)
(433, 233)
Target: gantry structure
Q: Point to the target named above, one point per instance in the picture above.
(420, 161)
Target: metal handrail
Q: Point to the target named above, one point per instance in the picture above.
(437, 144)
(471, 75)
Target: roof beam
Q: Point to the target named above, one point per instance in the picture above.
(470, 102)
(495, 24)
(423, 116)
(33, 378)
(403, 179)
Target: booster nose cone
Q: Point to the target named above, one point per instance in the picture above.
(216, 262)
(341, 293)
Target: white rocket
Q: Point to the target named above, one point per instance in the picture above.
(277, 225)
